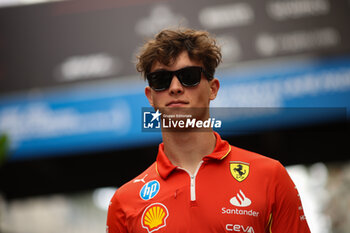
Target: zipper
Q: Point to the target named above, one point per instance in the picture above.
(193, 180)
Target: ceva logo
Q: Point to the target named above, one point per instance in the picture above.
(240, 200)
(239, 228)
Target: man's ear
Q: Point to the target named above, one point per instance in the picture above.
(148, 93)
(214, 85)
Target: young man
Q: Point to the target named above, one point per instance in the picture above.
(200, 183)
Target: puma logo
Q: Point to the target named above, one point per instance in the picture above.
(141, 180)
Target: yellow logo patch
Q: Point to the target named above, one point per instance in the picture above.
(154, 217)
(239, 170)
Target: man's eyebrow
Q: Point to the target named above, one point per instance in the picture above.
(164, 69)
(160, 69)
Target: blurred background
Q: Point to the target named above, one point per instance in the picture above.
(71, 100)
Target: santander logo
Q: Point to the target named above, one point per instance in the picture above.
(240, 200)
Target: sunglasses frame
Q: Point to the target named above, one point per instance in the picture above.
(170, 75)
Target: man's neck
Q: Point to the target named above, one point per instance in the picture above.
(186, 149)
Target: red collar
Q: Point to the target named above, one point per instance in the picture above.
(164, 167)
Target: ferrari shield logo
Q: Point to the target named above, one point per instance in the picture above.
(239, 170)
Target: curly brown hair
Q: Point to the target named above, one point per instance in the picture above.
(168, 44)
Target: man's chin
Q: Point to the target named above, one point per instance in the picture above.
(184, 114)
(177, 110)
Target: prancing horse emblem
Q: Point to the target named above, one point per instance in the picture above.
(239, 170)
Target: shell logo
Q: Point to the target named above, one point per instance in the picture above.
(154, 217)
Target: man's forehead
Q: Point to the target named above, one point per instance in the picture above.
(159, 65)
(182, 60)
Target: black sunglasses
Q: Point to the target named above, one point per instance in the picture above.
(189, 77)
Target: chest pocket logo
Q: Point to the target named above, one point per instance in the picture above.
(239, 170)
(149, 190)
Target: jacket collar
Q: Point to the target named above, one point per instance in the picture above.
(164, 167)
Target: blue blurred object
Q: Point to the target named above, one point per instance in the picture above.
(109, 115)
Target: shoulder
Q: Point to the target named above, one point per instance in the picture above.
(126, 200)
(130, 190)
(252, 157)
(266, 166)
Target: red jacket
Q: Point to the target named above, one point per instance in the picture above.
(233, 190)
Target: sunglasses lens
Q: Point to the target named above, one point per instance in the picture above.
(190, 76)
(159, 80)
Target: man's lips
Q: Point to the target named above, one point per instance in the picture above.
(176, 103)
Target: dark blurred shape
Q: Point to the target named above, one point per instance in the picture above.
(4, 146)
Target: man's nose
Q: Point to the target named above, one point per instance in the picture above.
(175, 86)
